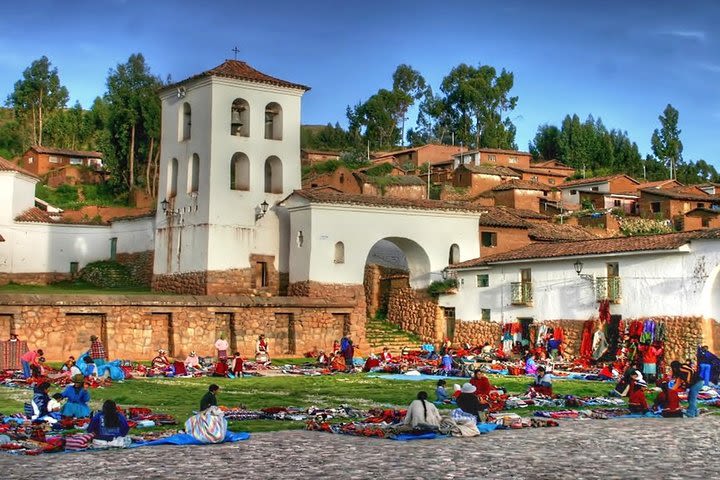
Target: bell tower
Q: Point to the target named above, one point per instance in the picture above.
(230, 152)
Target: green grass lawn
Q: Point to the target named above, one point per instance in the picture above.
(76, 287)
(180, 396)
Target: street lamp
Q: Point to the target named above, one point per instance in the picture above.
(262, 210)
(578, 269)
(164, 204)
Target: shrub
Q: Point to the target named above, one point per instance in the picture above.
(107, 274)
(442, 286)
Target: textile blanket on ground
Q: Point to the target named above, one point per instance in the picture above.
(414, 378)
(185, 439)
(208, 426)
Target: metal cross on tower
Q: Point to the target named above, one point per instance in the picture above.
(236, 50)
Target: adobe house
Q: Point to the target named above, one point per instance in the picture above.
(627, 202)
(493, 156)
(40, 160)
(479, 178)
(619, 183)
(521, 194)
(342, 179)
(435, 155)
(547, 175)
(673, 203)
(310, 157)
(701, 217)
(392, 186)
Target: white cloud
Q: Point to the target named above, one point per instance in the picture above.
(698, 35)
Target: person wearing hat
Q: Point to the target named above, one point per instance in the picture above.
(97, 351)
(636, 397)
(29, 360)
(468, 401)
(160, 361)
(77, 399)
(13, 337)
(192, 362)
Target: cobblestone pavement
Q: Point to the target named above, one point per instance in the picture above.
(621, 448)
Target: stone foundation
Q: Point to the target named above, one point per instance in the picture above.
(43, 278)
(378, 283)
(416, 312)
(134, 328)
(239, 281)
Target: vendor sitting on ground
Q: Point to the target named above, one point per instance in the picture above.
(192, 363)
(236, 365)
(469, 403)
(422, 414)
(210, 398)
(77, 399)
(621, 389)
(337, 363)
(161, 361)
(668, 402)
(530, 365)
(386, 356)
(481, 383)
(41, 402)
(543, 383)
(636, 397)
(441, 394)
(55, 406)
(372, 362)
(321, 359)
(108, 424)
(221, 368)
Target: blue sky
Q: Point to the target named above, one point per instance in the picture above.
(622, 61)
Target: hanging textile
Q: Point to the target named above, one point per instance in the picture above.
(559, 334)
(541, 333)
(10, 353)
(600, 344)
(604, 311)
(586, 344)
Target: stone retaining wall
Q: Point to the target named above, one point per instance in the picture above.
(43, 278)
(416, 312)
(134, 327)
(140, 264)
(476, 333)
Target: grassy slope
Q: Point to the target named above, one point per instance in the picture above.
(180, 397)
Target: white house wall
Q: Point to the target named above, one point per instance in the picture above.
(359, 228)
(671, 283)
(42, 248)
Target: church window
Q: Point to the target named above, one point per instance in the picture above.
(240, 172)
(273, 175)
(194, 173)
(339, 252)
(240, 118)
(186, 122)
(273, 121)
(172, 178)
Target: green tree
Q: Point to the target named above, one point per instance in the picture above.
(376, 120)
(666, 144)
(546, 144)
(408, 86)
(70, 128)
(36, 95)
(133, 119)
(476, 99)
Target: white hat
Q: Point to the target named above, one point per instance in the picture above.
(468, 388)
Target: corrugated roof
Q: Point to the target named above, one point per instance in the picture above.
(538, 250)
(241, 71)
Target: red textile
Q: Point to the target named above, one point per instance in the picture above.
(221, 368)
(559, 334)
(482, 385)
(97, 350)
(636, 397)
(238, 366)
(650, 353)
(180, 368)
(668, 400)
(586, 342)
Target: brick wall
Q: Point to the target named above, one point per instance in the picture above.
(507, 239)
(135, 328)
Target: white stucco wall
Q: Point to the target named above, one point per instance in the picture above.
(218, 229)
(17, 194)
(41, 247)
(588, 187)
(425, 237)
(670, 283)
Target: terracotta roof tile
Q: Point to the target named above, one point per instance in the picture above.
(400, 180)
(241, 71)
(659, 184)
(521, 185)
(553, 232)
(68, 153)
(703, 210)
(501, 217)
(541, 171)
(551, 164)
(8, 166)
(496, 150)
(538, 250)
(681, 194)
(587, 181)
(491, 170)
(34, 215)
(315, 196)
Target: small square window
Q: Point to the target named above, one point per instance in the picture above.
(700, 205)
(491, 158)
(53, 159)
(74, 268)
(485, 314)
(617, 203)
(595, 189)
(573, 192)
(534, 178)
(705, 222)
(482, 280)
(512, 160)
(488, 239)
(655, 207)
(75, 161)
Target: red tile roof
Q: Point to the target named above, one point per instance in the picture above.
(521, 185)
(539, 250)
(553, 232)
(681, 194)
(502, 218)
(496, 150)
(240, 71)
(315, 196)
(34, 215)
(8, 166)
(660, 184)
(711, 211)
(67, 153)
(497, 170)
(588, 181)
(551, 164)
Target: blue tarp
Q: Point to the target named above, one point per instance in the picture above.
(185, 439)
(404, 437)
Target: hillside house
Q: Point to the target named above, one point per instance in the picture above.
(310, 157)
(41, 160)
(520, 194)
(479, 178)
(493, 156)
(615, 184)
(674, 203)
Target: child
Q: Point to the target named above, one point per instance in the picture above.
(441, 393)
(55, 406)
(668, 402)
(237, 365)
(447, 363)
(543, 383)
(636, 397)
(221, 368)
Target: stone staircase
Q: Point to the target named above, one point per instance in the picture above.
(381, 333)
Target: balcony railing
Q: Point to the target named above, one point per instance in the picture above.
(608, 288)
(522, 293)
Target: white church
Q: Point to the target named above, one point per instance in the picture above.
(231, 218)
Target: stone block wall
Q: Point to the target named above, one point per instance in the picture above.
(572, 330)
(416, 312)
(378, 283)
(134, 328)
(189, 283)
(476, 333)
(140, 264)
